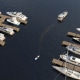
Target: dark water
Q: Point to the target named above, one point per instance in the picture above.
(42, 35)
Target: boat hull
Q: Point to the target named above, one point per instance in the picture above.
(68, 72)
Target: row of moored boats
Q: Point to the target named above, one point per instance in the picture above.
(14, 16)
(67, 57)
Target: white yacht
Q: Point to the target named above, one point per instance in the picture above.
(13, 20)
(37, 57)
(76, 39)
(73, 49)
(7, 30)
(2, 37)
(78, 29)
(18, 15)
(68, 72)
(70, 59)
(62, 15)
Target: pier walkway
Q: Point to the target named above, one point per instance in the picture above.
(73, 34)
(66, 64)
(65, 43)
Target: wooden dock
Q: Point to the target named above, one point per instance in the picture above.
(73, 34)
(65, 43)
(66, 64)
(2, 43)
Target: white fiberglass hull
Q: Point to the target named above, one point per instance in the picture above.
(74, 51)
(13, 21)
(76, 39)
(68, 72)
(66, 58)
(18, 15)
(78, 29)
(62, 16)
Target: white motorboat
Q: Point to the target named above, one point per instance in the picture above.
(76, 39)
(78, 29)
(13, 20)
(62, 15)
(70, 59)
(7, 30)
(37, 57)
(68, 72)
(18, 15)
(2, 37)
(73, 49)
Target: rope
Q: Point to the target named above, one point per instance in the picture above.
(56, 76)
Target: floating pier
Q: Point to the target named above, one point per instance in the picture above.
(73, 34)
(65, 64)
(65, 43)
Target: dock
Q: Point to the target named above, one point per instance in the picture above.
(66, 64)
(73, 34)
(3, 18)
(65, 43)
(2, 43)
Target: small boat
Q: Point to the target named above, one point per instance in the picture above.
(76, 39)
(37, 57)
(70, 59)
(18, 15)
(78, 29)
(62, 15)
(2, 37)
(73, 49)
(13, 20)
(7, 30)
(68, 72)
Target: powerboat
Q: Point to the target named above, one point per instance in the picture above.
(70, 59)
(76, 39)
(19, 15)
(7, 30)
(73, 49)
(37, 57)
(2, 37)
(78, 29)
(13, 20)
(68, 72)
(62, 15)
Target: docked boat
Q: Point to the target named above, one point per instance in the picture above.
(7, 30)
(68, 72)
(13, 20)
(76, 39)
(73, 49)
(62, 15)
(18, 15)
(78, 29)
(70, 59)
(2, 37)
(37, 57)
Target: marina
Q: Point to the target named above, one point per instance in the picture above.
(8, 29)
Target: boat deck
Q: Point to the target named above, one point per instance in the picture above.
(65, 43)
(73, 34)
(65, 64)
